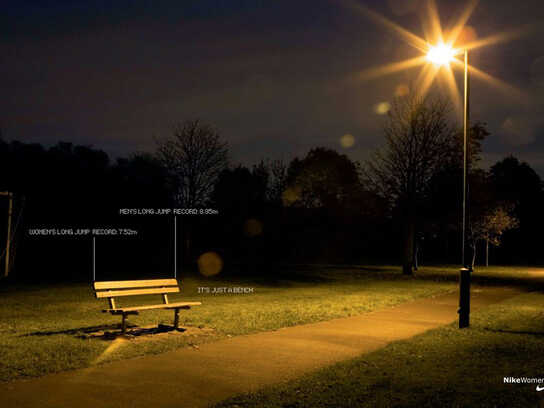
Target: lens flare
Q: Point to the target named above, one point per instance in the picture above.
(291, 195)
(441, 54)
(253, 228)
(441, 46)
(382, 108)
(209, 264)
(402, 90)
(390, 68)
(347, 140)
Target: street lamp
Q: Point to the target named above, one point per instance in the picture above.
(443, 54)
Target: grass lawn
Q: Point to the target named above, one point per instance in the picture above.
(445, 367)
(45, 329)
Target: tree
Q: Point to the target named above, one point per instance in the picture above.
(277, 180)
(517, 183)
(329, 213)
(240, 192)
(141, 180)
(323, 179)
(477, 134)
(489, 228)
(263, 184)
(419, 140)
(442, 207)
(194, 156)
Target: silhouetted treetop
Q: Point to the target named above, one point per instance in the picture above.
(194, 157)
(324, 178)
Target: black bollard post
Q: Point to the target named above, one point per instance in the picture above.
(464, 297)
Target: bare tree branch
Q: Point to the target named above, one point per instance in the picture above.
(194, 156)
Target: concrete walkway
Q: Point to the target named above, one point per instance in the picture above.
(189, 378)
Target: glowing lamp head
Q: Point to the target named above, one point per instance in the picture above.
(441, 54)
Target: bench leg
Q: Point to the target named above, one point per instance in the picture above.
(176, 319)
(124, 324)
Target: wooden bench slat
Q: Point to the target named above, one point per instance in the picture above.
(150, 307)
(113, 289)
(134, 284)
(130, 292)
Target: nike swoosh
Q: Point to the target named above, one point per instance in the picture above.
(539, 388)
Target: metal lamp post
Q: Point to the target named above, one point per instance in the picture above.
(464, 273)
(442, 54)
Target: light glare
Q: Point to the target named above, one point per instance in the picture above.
(347, 140)
(209, 264)
(442, 54)
(382, 108)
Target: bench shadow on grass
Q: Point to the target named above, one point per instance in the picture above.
(108, 332)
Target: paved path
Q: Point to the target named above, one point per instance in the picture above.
(188, 378)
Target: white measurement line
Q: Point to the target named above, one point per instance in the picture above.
(94, 259)
(175, 247)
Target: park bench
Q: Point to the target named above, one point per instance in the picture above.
(114, 289)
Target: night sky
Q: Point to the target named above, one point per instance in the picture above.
(276, 77)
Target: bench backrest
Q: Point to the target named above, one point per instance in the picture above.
(113, 289)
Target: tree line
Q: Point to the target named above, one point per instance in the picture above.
(401, 205)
